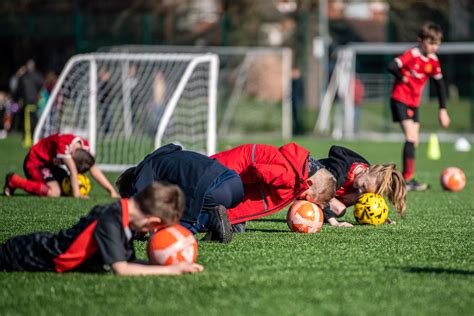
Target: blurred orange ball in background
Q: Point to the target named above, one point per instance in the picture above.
(453, 179)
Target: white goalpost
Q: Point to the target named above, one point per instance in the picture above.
(254, 88)
(340, 121)
(126, 105)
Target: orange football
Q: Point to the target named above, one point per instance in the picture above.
(453, 179)
(305, 217)
(171, 245)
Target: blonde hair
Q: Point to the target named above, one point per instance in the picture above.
(163, 200)
(324, 186)
(390, 182)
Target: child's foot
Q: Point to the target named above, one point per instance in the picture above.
(413, 185)
(8, 188)
(219, 227)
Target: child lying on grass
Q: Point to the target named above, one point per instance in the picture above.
(103, 239)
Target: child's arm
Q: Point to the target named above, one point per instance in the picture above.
(128, 268)
(333, 222)
(349, 199)
(393, 68)
(443, 115)
(335, 209)
(102, 180)
(71, 165)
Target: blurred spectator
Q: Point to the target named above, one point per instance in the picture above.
(158, 102)
(359, 93)
(13, 83)
(104, 89)
(5, 114)
(49, 82)
(27, 93)
(297, 101)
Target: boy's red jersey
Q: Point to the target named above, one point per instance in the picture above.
(416, 68)
(97, 241)
(50, 150)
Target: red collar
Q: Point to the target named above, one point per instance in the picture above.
(125, 212)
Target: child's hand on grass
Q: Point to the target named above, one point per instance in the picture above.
(390, 222)
(345, 224)
(188, 268)
(333, 222)
(114, 195)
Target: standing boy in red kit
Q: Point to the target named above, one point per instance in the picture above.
(411, 71)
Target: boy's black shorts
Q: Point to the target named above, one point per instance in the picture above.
(27, 253)
(401, 111)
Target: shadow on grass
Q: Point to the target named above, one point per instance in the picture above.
(436, 270)
(272, 220)
(267, 230)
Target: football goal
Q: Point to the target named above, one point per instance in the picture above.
(356, 102)
(254, 88)
(127, 105)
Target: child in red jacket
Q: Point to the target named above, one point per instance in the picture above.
(274, 177)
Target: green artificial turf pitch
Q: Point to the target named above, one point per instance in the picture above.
(423, 265)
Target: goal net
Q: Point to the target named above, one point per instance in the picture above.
(357, 100)
(127, 105)
(254, 88)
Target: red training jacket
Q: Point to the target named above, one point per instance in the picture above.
(272, 177)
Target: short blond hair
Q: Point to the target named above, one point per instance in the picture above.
(324, 186)
(390, 182)
(163, 200)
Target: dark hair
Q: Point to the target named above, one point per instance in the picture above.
(431, 31)
(163, 200)
(83, 160)
(124, 182)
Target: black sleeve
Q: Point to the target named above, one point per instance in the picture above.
(339, 162)
(441, 91)
(392, 68)
(109, 236)
(328, 214)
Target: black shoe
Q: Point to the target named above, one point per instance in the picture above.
(413, 185)
(219, 227)
(8, 189)
(238, 228)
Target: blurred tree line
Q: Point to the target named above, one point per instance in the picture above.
(50, 31)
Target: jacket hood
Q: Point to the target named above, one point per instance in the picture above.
(297, 156)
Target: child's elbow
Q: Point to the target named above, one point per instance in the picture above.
(120, 268)
(340, 211)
